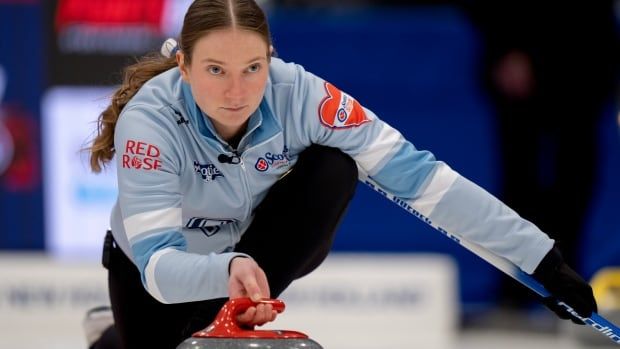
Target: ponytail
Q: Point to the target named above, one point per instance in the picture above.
(134, 76)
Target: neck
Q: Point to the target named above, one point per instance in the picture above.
(235, 139)
(231, 136)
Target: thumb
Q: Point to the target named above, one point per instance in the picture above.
(246, 279)
(251, 288)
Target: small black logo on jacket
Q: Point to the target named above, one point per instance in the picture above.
(208, 226)
(208, 172)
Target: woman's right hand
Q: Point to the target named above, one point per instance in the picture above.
(247, 279)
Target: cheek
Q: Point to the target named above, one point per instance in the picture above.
(206, 90)
(205, 101)
(257, 86)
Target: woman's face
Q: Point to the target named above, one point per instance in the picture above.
(227, 75)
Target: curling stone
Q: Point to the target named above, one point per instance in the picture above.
(226, 333)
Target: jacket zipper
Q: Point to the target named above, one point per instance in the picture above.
(246, 185)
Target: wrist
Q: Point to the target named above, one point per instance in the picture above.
(232, 259)
(549, 264)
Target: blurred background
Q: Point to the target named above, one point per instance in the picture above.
(518, 96)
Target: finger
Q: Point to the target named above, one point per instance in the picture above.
(552, 304)
(235, 289)
(263, 284)
(260, 317)
(264, 314)
(250, 284)
(252, 289)
(248, 316)
(272, 317)
(245, 286)
(577, 321)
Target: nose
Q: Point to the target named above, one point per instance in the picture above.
(235, 89)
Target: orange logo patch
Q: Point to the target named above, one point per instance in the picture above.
(339, 110)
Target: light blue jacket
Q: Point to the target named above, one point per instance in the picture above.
(180, 211)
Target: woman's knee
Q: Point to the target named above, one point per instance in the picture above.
(329, 168)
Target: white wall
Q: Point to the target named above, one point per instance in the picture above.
(351, 301)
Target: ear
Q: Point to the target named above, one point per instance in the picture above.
(180, 57)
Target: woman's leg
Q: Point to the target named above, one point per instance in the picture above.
(139, 319)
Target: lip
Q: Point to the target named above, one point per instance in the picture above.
(235, 109)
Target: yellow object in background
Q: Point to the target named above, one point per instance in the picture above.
(606, 287)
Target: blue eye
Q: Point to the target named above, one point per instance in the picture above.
(215, 70)
(254, 68)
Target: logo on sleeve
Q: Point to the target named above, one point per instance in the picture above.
(339, 110)
(208, 171)
(141, 156)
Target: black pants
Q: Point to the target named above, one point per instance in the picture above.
(290, 236)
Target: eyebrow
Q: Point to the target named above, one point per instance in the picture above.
(211, 60)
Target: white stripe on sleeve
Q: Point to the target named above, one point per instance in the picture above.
(442, 180)
(149, 274)
(379, 149)
(141, 222)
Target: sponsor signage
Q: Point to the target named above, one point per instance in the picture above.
(77, 201)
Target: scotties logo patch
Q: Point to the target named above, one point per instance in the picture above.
(273, 160)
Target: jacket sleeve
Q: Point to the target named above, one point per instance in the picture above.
(435, 192)
(148, 160)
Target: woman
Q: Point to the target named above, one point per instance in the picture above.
(235, 169)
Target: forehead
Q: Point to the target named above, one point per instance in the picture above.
(230, 45)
